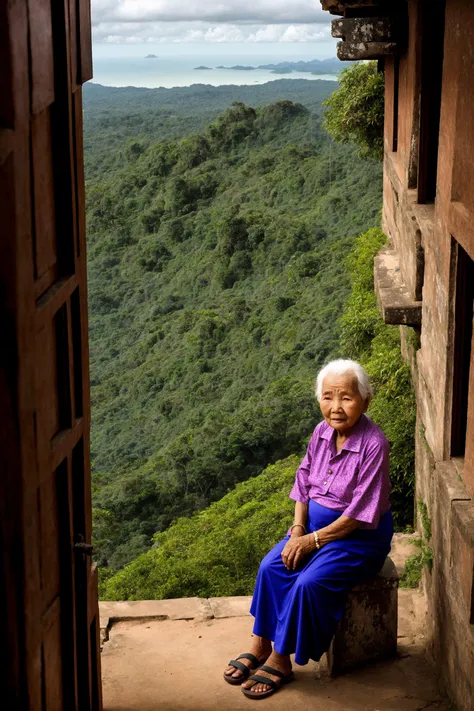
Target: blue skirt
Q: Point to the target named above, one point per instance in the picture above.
(299, 609)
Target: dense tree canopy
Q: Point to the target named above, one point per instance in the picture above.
(119, 123)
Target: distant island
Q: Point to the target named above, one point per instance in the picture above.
(314, 66)
(151, 56)
(203, 67)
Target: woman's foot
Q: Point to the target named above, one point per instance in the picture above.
(276, 661)
(260, 648)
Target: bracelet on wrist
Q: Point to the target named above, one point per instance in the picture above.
(316, 540)
(299, 525)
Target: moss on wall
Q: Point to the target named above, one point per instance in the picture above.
(415, 563)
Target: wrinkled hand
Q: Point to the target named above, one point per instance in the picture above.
(296, 549)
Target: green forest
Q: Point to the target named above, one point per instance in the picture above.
(225, 267)
(121, 122)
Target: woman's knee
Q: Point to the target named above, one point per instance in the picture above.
(273, 558)
(309, 579)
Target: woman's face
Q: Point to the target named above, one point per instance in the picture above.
(341, 402)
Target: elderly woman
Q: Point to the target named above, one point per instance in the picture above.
(341, 535)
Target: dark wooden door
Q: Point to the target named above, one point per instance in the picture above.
(48, 599)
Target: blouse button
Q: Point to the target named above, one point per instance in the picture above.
(329, 471)
(325, 483)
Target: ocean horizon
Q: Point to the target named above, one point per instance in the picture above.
(170, 72)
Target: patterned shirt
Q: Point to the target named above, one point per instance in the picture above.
(354, 481)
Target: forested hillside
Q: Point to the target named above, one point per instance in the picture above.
(217, 551)
(120, 123)
(216, 281)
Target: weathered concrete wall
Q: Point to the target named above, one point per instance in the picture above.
(400, 221)
(461, 22)
(424, 237)
(424, 243)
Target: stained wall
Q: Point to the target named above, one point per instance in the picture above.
(427, 239)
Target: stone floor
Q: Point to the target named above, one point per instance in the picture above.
(169, 655)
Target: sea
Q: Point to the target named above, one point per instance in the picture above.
(181, 71)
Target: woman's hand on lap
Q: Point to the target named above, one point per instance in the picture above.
(296, 549)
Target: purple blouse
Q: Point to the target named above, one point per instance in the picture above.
(354, 481)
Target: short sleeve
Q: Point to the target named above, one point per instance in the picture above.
(372, 484)
(301, 487)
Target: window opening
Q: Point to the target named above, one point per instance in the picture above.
(432, 52)
(463, 317)
(396, 89)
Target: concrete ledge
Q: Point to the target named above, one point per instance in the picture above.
(186, 608)
(230, 606)
(453, 488)
(463, 558)
(397, 306)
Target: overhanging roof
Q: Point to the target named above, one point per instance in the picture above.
(339, 7)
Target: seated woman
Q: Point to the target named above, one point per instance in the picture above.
(340, 536)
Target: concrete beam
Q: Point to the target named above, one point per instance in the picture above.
(397, 306)
(365, 37)
(364, 29)
(365, 50)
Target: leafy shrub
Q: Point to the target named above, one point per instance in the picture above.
(355, 112)
(217, 551)
(424, 557)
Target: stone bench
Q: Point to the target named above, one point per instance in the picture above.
(368, 630)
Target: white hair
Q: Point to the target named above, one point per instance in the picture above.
(345, 367)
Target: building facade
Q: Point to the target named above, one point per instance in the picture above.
(424, 281)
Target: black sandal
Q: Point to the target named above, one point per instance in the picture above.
(255, 664)
(275, 685)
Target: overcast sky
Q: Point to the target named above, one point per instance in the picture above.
(135, 23)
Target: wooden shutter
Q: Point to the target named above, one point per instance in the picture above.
(49, 586)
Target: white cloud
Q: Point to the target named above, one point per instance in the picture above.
(192, 32)
(292, 33)
(229, 11)
(213, 21)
